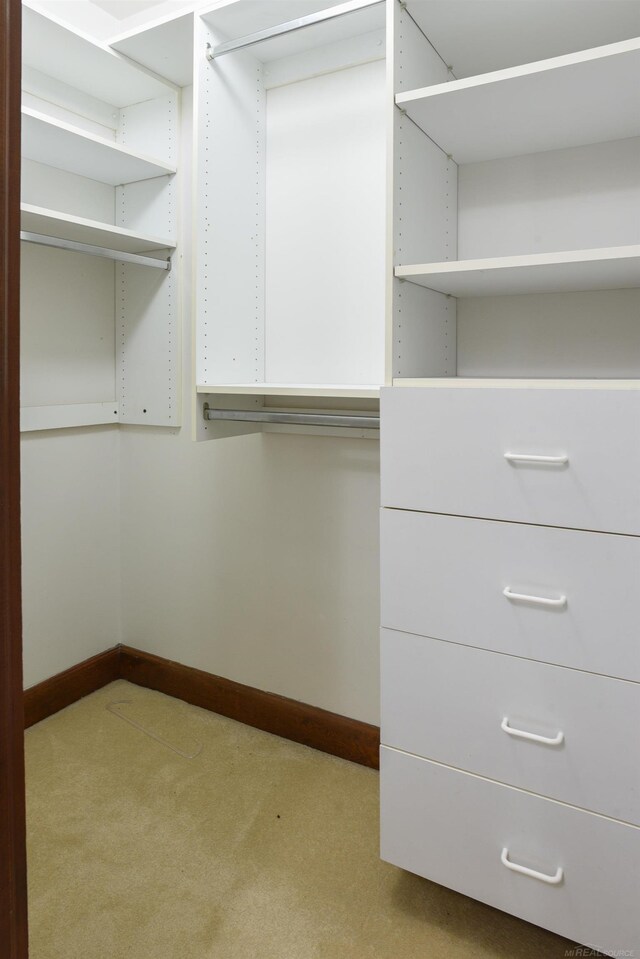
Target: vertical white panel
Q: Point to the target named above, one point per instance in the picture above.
(424, 335)
(426, 198)
(325, 228)
(418, 63)
(151, 127)
(148, 336)
(230, 216)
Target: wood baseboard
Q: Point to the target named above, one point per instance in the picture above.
(319, 728)
(67, 687)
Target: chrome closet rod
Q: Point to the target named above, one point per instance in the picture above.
(61, 244)
(296, 419)
(313, 18)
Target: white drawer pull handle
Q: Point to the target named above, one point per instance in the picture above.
(543, 877)
(522, 734)
(531, 458)
(558, 603)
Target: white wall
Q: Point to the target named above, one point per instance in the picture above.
(70, 548)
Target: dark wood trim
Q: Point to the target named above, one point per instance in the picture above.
(13, 867)
(309, 725)
(68, 687)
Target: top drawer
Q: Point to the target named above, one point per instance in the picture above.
(472, 452)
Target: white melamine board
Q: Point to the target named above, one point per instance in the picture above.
(316, 61)
(34, 418)
(578, 198)
(432, 441)
(580, 98)
(35, 219)
(424, 332)
(476, 37)
(451, 827)
(417, 63)
(69, 148)
(325, 229)
(425, 197)
(593, 334)
(71, 57)
(612, 268)
(41, 92)
(148, 206)
(164, 46)
(148, 345)
(444, 576)
(150, 128)
(229, 255)
(291, 389)
(419, 676)
(67, 336)
(490, 383)
(53, 189)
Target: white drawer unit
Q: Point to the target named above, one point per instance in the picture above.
(571, 871)
(552, 457)
(556, 595)
(557, 732)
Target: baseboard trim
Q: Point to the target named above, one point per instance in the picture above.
(309, 725)
(319, 728)
(65, 688)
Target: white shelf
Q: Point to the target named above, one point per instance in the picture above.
(36, 219)
(291, 389)
(164, 46)
(612, 268)
(69, 148)
(493, 383)
(33, 418)
(587, 97)
(66, 54)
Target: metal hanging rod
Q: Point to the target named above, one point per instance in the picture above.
(289, 27)
(61, 244)
(296, 419)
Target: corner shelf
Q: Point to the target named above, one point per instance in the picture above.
(292, 389)
(577, 99)
(611, 268)
(164, 46)
(77, 229)
(69, 148)
(68, 55)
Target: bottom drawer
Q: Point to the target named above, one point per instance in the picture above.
(479, 837)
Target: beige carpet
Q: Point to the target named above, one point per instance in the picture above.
(257, 848)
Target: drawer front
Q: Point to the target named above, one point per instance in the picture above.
(445, 576)
(443, 451)
(452, 828)
(478, 711)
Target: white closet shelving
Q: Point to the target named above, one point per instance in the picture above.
(58, 144)
(100, 144)
(78, 229)
(510, 455)
(290, 223)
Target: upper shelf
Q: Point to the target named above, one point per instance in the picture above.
(164, 46)
(613, 268)
(69, 148)
(65, 54)
(581, 98)
(36, 219)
